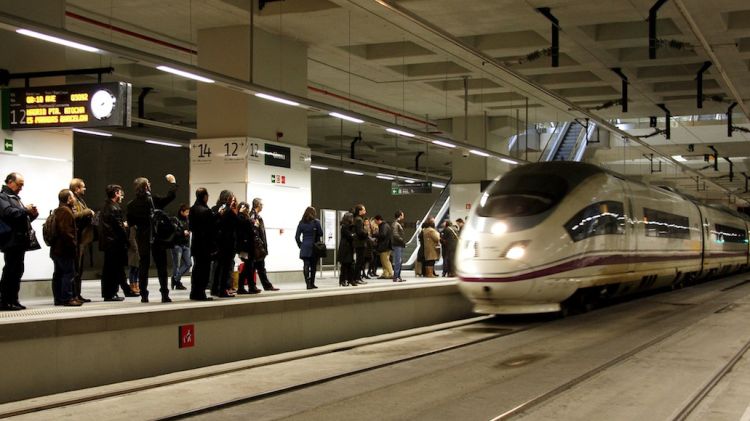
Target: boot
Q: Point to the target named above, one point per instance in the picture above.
(165, 297)
(429, 272)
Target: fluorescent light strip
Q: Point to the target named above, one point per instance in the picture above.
(162, 143)
(46, 158)
(438, 185)
(318, 167)
(445, 144)
(509, 161)
(679, 158)
(184, 74)
(346, 117)
(401, 132)
(478, 153)
(354, 172)
(384, 177)
(409, 181)
(57, 40)
(277, 99)
(93, 132)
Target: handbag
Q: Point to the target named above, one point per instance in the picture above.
(320, 250)
(33, 242)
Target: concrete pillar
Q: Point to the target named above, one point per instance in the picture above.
(279, 63)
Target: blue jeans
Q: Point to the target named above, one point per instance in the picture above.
(397, 252)
(181, 262)
(62, 278)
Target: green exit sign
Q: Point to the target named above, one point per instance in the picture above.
(8, 145)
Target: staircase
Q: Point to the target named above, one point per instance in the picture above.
(568, 143)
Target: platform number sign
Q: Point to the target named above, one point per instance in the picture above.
(186, 336)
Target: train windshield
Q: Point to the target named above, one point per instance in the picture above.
(522, 195)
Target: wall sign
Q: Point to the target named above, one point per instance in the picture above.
(219, 160)
(411, 188)
(186, 336)
(87, 105)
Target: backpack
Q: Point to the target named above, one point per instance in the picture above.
(165, 227)
(48, 229)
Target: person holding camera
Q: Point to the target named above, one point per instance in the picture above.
(311, 232)
(140, 215)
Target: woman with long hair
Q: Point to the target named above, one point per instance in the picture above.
(345, 254)
(311, 232)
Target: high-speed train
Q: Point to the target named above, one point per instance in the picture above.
(554, 236)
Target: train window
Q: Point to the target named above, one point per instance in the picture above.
(727, 234)
(521, 195)
(664, 224)
(601, 218)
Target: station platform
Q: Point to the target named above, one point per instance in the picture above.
(50, 349)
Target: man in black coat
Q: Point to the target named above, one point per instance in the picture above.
(384, 247)
(113, 241)
(259, 262)
(18, 217)
(360, 241)
(140, 217)
(202, 222)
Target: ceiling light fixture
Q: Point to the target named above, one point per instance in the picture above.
(162, 143)
(679, 158)
(445, 144)
(401, 132)
(384, 177)
(318, 167)
(93, 132)
(509, 161)
(354, 172)
(57, 40)
(46, 158)
(277, 99)
(346, 117)
(185, 74)
(478, 153)
(438, 185)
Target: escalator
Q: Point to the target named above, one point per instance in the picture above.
(440, 210)
(568, 142)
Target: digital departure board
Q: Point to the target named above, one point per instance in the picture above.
(89, 105)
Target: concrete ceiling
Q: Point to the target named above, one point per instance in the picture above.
(399, 62)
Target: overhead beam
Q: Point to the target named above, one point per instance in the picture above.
(699, 83)
(547, 12)
(624, 79)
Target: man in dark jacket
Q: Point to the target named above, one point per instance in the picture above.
(384, 247)
(140, 217)
(360, 241)
(18, 217)
(261, 246)
(113, 241)
(64, 251)
(202, 223)
(85, 235)
(398, 243)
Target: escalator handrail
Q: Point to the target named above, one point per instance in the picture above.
(582, 141)
(438, 216)
(554, 142)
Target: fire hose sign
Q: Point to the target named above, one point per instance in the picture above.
(186, 336)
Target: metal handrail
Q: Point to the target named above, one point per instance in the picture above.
(582, 142)
(438, 216)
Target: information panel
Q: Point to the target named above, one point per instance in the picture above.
(411, 188)
(87, 105)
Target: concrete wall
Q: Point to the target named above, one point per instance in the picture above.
(55, 354)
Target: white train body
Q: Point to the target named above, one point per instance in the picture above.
(547, 231)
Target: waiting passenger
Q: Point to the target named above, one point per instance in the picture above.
(449, 241)
(345, 254)
(14, 246)
(460, 225)
(226, 243)
(245, 240)
(311, 232)
(431, 248)
(397, 244)
(64, 251)
(84, 217)
(384, 247)
(140, 216)
(361, 240)
(181, 262)
(113, 241)
(202, 223)
(260, 248)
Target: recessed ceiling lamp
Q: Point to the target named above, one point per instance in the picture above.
(400, 132)
(277, 99)
(346, 117)
(93, 132)
(162, 143)
(384, 177)
(438, 185)
(184, 74)
(353, 172)
(509, 161)
(679, 158)
(57, 40)
(318, 167)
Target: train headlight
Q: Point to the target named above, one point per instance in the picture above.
(499, 228)
(516, 251)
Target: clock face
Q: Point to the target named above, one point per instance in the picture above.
(102, 104)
